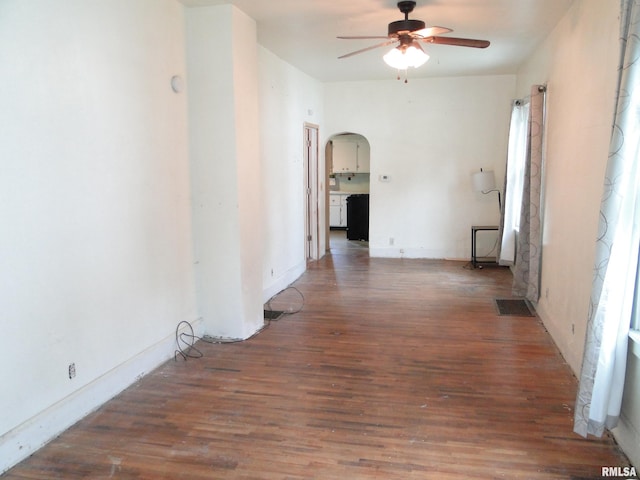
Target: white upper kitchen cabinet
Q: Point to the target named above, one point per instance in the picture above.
(350, 154)
(345, 157)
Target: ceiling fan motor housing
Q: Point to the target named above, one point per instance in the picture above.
(405, 26)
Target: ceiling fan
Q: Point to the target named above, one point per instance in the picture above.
(409, 33)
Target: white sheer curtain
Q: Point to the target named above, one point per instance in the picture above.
(516, 160)
(603, 368)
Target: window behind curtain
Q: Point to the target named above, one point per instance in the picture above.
(516, 159)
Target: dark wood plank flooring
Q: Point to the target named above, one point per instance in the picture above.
(394, 369)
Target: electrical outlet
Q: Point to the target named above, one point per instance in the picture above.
(391, 240)
(72, 370)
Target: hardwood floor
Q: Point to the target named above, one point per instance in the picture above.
(394, 369)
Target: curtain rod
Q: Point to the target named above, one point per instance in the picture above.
(520, 101)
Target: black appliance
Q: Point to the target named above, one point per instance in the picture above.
(358, 217)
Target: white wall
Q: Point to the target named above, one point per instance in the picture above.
(288, 99)
(96, 160)
(429, 136)
(95, 250)
(225, 169)
(578, 61)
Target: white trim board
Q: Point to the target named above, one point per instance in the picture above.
(290, 276)
(27, 438)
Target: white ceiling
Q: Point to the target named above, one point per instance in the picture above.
(303, 33)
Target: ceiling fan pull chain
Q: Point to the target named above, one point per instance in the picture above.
(406, 75)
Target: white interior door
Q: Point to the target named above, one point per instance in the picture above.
(312, 225)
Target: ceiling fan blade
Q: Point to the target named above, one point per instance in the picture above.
(431, 31)
(362, 38)
(388, 42)
(459, 42)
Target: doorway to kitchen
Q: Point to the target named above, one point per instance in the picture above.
(348, 162)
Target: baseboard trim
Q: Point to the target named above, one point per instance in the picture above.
(413, 253)
(283, 281)
(628, 439)
(24, 440)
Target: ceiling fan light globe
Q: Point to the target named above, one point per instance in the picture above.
(416, 56)
(403, 59)
(394, 59)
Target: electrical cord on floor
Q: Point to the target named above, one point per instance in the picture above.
(185, 340)
(269, 307)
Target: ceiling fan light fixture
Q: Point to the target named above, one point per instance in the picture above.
(403, 57)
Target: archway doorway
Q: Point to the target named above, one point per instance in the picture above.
(348, 162)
